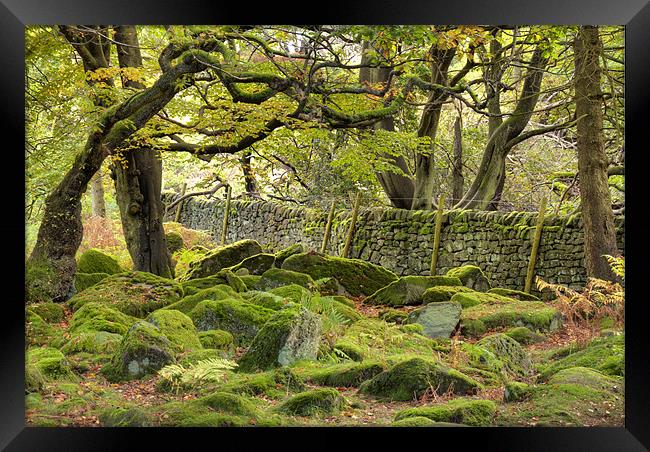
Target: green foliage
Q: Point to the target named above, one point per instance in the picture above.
(209, 370)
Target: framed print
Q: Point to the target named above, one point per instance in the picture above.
(367, 218)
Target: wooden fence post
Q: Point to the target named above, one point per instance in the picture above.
(177, 218)
(226, 213)
(355, 213)
(328, 228)
(436, 235)
(533, 253)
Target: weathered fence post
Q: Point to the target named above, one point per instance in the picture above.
(436, 235)
(177, 218)
(533, 253)
(328, 228)
(355, 213)
(226, 213)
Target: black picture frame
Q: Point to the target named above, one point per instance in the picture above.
(16, 14)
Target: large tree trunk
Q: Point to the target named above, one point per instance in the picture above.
(138, 183)
(98, 201)
(398, 187)
(597, 215)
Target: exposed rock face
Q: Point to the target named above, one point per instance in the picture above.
(438, 320)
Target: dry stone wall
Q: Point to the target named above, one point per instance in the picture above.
(401, 240)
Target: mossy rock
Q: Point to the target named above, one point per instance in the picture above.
(462, 411)
(42, 282)
(174, 241)
(391, 315)
(50, 363)
(177, 327)
(408, 290)
(473, 298)
(217, 339)
(349, 349)
(222, 257)
(274, 384)
(412, 328)
(511, 293)
(588, 377)
(604, 354)
(277, 277)
(34, 378)
(256, 265)
(94, 316)
(226, 402)
(516, 391)
(471, 276)
(219, 292)
(288, 336)
(143, 351)
(243, 320)
(250, 281)
(331, 304)
(197, 414)
(319, 402)
(96, 261)
(39, 332)
(356, 276)
(49, 312)
(524, 336)
(125, 417)
(95, 342)
(283, 254)
(292, 292)
(438, 320)
(330, 286)
(82, 281)
(223, 277)
(410, 379)
(265, 299)
(485, 360)
(344, 300)
(133, 293)
(515, 359)
(415, 421)
(439, 294)
(346, 374)
(535, 315)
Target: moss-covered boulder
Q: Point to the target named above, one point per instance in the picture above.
(277, 277)
(410, 379)
(515, 391)
(349, 350)
(604, 354)
(438, 294)
(174, 241)
(473, 298)
(408, 290)
(216, 339)
(356, 276)
(82, 281)
(438, 320)
(39, 332)
(471, 276)
(93, 317)
(96, 261)
(515, 359)
(250, 281)
(229, 403)
(393, 315)
(346, 374)
(493, 314)
(219, 292)
(330, 286)
(326, 305)
(461, 411)
(256, 265)
(523, 335)
(131, 416)
(177, 327)
(274, 384)
(587, 377)
(283, 254)
(292, 292)
(319, 402)
(516, 294)
(50, 312)
(421, 421)
(222, 277)
(50, 363)
(143, 351)
(222, 257)
(243, 320)
(133, 293)
(95, 342)
(288, 336)
(34, 378)
(265, 299)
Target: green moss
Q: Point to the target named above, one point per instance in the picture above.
(92, 317)
(469, 299)
(412, 328)
(41, 282)
(408, 290)
(219, 292)
(34, 378)
(177, 327)
(143, 351)
(96, 342)
(393, 315)
(606, 354)
(222, 257)
(84, 280)
(250, 281)
(347, 374)
(410, 379)
(288, 336)
(283, 254)
(343, 310)
(442, 293)
(218, 339)
(356, 276)
(223, 277)
(174, 241)
(292, 292)
(265, 299)
(471, 276)
(511, 293)
(343, 300)
(319, 402)
(243, 320)
(524, 335)
(415, 421)
(125, 417)
(133, 293)
(39, 332)
(50, 362)
(275, 384)
(95, 261)
(255, 265)
(516, 391)
(463, 411)
(515, 359)
(50, 312)
(349, 349)
(193, 414)
(229, 403)
(277, 277)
